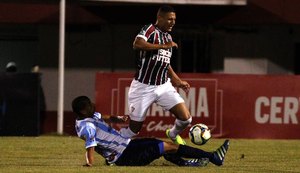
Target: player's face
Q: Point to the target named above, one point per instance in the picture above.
(89, 110)
(166, 21)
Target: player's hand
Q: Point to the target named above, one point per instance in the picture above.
(184, 85)
(87, 165)
(123, 118)
(118, 119)
(171, 44)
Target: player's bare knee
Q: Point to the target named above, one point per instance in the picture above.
(170, 147)
(185, 116)
(181, 112)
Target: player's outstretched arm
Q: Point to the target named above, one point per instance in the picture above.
(141, 44)
(115, 119)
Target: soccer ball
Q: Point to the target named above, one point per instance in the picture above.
(199, 134)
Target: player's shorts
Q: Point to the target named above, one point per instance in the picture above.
(140, 152)
(141, 96)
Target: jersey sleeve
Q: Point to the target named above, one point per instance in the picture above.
(146, 31)
(89, 134)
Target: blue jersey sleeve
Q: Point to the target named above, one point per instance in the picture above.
(89, 134)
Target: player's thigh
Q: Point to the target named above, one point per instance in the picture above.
(141, 151)
(169, 98)
(170, 147)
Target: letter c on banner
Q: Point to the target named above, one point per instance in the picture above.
(259, 117)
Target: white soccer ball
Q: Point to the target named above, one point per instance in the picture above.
(199, 134)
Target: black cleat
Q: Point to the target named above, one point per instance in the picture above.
(219, 154)
(197, 162)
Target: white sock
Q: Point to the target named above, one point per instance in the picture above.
(127, 133)
(178, 127)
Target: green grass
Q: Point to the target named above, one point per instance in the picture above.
(66, 154)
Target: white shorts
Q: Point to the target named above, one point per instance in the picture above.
(141, 96)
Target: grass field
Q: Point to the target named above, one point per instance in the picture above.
(66, 154)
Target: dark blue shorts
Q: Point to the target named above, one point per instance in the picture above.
(141, 152)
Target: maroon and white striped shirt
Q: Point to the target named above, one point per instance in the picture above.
(152, 68)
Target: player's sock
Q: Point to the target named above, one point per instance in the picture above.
(174, 158)
(127, 133)
(191, 152)
(219, 154)
(178, 127)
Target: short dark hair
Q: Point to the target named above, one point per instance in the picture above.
(165, 9)
(79, 103)
(11, 67)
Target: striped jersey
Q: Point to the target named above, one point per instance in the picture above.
(107, 141)
(152, 67)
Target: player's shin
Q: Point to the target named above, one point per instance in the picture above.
(190, 152)
(174, 158)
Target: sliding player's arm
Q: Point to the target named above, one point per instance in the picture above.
(115, 119)
(89, 156)
(88, 134)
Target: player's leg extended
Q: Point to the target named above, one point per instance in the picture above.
(170, 100)
(140, 97)
(175, 158)
(137, 117)
(141, 151)
(183, 119)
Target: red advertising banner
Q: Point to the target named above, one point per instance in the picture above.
(233, 106)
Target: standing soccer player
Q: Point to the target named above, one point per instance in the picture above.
(152, 82)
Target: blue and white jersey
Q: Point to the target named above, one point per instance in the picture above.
(107, 141)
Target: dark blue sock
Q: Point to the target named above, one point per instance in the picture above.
(190, 152)
(174, 158)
